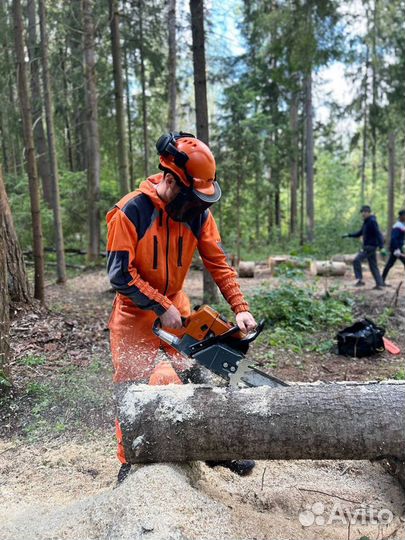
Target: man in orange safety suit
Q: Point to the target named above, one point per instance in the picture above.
(153, 233)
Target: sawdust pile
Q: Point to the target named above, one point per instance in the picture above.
(68, 492)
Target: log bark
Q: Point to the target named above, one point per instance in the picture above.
(328, 268)
(348, 259)
(246, 269)
(18, 288)
(4, 316)
(331, 421)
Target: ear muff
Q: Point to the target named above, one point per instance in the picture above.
(166, 145)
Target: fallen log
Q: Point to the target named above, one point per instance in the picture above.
(328, 268)
(348, 259)
(246, 269)
(276, 261)
(332, 421)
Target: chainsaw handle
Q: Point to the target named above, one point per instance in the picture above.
(157, 325)
(251, 337)
(165, 336)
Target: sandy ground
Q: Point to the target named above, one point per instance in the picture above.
(65, 491)
(63, 486)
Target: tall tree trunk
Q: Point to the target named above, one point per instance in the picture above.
(18, 288)
(43, 165)
(365, 126)
(53, 161)
(238, 205)
(374, 97)
(143, 88)
(302, 184)
(210, 290)
(4, 315)
(11, 120)
(172, 81)
(129, 121)
(119, 96)
(270, 213)
(293, 162)
(258, 205)
(309, 139)
(69, 142)
(93, 144)
(3, 142)
(26, 116)
(391, 179)
(79, 107)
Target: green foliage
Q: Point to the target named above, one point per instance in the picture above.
(294, 314)
(300, 308)
(5, 382)
(400, 375)
(35, 388)
(32, 360)
(287, 271)
(384, 318)
(297, 313)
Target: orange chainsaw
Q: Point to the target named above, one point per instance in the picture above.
(218, 345)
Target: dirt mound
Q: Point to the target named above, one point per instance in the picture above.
(68, 492)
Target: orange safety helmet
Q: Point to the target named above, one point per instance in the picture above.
(190, 160)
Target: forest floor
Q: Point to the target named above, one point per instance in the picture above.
(57, 444)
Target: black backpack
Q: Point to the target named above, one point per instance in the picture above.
(363, 338)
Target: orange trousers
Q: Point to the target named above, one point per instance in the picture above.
(136, 350)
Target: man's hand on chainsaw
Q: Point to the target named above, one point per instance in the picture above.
(171, 318)
(246, 321)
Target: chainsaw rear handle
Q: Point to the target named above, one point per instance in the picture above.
(165, 336)
(252, 336)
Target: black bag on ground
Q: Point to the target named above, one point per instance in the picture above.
(363, 338)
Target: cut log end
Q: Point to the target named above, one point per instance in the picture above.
(246, 269)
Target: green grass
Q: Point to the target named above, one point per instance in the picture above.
(32, 360)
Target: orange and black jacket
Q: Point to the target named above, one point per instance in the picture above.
(149, 254)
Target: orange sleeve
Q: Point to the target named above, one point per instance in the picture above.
(123, 275)
(214, 258)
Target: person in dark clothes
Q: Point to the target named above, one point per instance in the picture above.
(372, 240)
(396, 244)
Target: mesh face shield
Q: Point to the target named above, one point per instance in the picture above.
(189, 203)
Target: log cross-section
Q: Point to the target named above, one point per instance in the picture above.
(328, 421)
